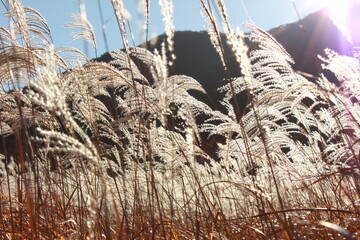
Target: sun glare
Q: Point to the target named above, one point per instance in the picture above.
(340, 14)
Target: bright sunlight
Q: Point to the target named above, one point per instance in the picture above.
(341, 13)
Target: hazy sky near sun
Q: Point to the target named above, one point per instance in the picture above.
(264, 13)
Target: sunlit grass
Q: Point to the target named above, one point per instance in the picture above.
(94, 150)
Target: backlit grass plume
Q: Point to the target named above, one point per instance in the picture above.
(120, 149)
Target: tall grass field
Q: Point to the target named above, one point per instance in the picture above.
(125, 150)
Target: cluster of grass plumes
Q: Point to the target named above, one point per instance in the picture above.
(96, 150)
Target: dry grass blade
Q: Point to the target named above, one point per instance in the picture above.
(214, 33)
(167, 12)
(6, 38)
(37, 26)
(345, 233)
(86, 30)
(147, 17)
(120, 12)
(263, 35)
(17, 62)
(17, 13)
(221, 5)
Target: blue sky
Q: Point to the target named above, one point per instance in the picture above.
(265, 13)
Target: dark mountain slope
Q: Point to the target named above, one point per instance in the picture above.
(197, 58)
(304, 40)
(308, 38)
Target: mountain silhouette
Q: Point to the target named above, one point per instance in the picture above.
(309, 37)
(304, 40)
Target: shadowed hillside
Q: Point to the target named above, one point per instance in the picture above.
(304, 40)
(308, 38)
(196, 57)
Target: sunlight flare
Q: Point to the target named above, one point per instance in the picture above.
(342, 14)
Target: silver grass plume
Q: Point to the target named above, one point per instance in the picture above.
(20, 24)
(120, 13)
(48, 91)
(213, 32)
(167, 12)
(85, 29)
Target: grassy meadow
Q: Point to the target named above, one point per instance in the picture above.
(123, 149)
